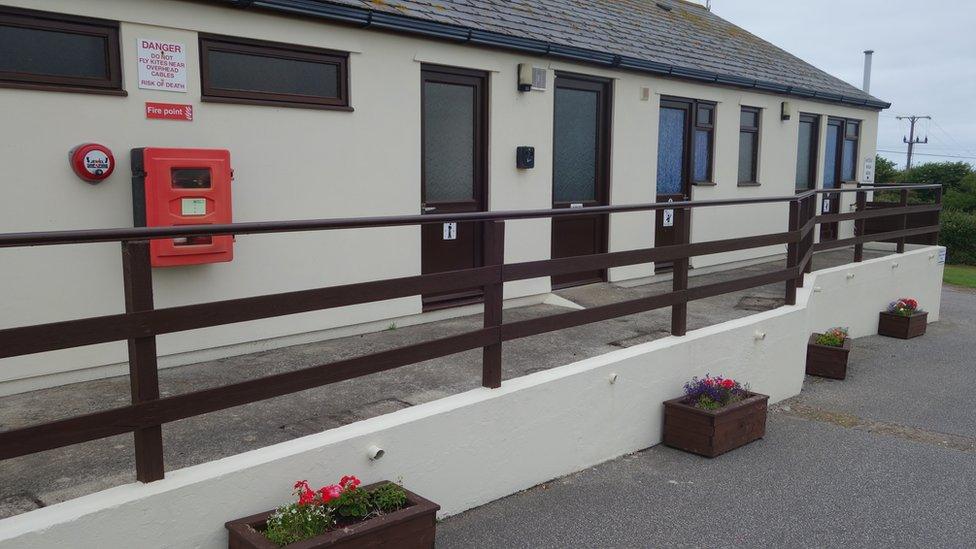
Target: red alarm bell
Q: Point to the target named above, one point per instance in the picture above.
(92, 162)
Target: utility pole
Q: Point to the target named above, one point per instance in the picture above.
(911, 139)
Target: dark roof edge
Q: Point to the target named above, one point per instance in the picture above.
(366, 18)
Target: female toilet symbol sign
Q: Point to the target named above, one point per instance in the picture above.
(668, 220)
(450, 231)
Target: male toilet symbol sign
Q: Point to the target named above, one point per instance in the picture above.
(450, 231)
(668, 220)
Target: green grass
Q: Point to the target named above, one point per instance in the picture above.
(960, 275)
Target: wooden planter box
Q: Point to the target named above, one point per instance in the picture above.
(827, 361)
(713, 432)
(904, 327)
(412, 527)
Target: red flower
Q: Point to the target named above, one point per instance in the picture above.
(306, 497)
(349, 482)
(728, 383)
(330, 492)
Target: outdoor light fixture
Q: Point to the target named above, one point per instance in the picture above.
(786, 110)
(759, 336)
(613, 378)
(531, 78)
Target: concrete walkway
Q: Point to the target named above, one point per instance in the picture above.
(886, 458)
(42, 479)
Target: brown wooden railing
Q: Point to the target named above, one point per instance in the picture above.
(142, 322)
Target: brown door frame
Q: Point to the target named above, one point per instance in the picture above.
(479, 202)
(690, 106)
(603, 86)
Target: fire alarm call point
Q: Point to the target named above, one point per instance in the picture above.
(173, 187)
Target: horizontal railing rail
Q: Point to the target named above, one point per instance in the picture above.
(141, 322)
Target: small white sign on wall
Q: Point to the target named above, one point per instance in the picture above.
(450, 231)
(942, 256)
(826, 205)
(868, 169)
(668, 216)
(162, 65)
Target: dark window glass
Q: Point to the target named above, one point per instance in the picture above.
(834, 131)
(249, 71)
(37, 51)
(750, 118)
(191, 178)
(671, 151)
(449, 131)
(806, 152)
(256, 73)
(849, 160)
(53, 51)
(852, 129)
(704, 116)
(575, 145)
(703, 155)
(748, 144)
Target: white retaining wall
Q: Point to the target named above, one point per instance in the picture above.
(469, 449)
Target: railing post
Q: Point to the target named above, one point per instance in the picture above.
(143, 377)
(862, 201)
(811, 208)
(903, 222)
(793, 253)
(493, 250)
(679, 311)
(938, 217)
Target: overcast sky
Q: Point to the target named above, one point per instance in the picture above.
(924, 60)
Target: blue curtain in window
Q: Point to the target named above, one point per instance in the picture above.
(671, 151)
(703, 151)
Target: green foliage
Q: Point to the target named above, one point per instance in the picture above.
(297, 522)
(389, 497)
(949, 174)
(963, 197)
(834, 337)
(352, 504)
(958, 235)
(960, 275)
(885, 170)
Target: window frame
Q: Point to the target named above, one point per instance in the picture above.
(698, 125)
(276, 50)
(106, 29)
(755, 131)
(815, 120)
(839, 164)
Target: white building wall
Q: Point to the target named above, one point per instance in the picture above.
(301, 163)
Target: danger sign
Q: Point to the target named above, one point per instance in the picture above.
(162, 65)
(169, 111)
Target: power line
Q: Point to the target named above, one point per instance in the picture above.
(929, 154)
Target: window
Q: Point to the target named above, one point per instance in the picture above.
(237, 70)
(748, 145)
(49, 51)
(840, 164)
(806, 152)
(704, 138)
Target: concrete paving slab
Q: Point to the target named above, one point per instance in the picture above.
(65, 473)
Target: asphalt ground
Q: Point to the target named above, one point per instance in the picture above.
(885, 458)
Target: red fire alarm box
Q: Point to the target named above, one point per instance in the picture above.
(183, 187)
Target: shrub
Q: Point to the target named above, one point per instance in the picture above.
(712, 393)
(389, 497)
(958, 235)
(318, 511)
(834, 337)
(905, 306)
